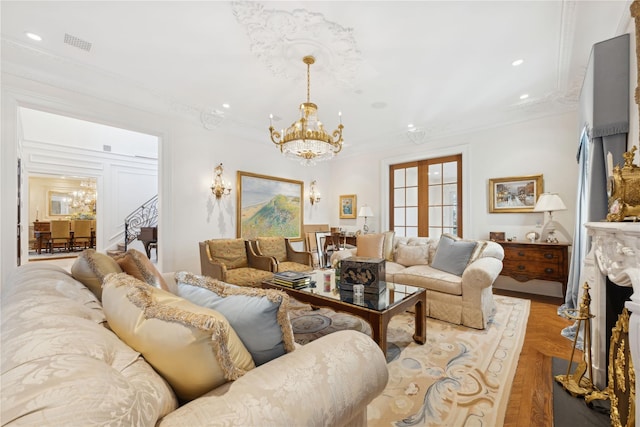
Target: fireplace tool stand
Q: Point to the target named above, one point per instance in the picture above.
(577, 383)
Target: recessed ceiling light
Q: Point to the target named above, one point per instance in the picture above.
(524, 96)
(517, 62)
(33, 36)
(410, 126)
(225, 105)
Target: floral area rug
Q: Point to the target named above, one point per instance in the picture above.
(459, 377)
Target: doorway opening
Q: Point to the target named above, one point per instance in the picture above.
(74, 169)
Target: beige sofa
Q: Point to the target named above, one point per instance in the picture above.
(465, 299)
(62, 365)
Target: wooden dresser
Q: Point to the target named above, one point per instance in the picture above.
(544, 261)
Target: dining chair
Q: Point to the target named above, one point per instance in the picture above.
(82, 233)
(60, 234)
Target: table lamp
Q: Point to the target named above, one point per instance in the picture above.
(365, 211)
(550, 202)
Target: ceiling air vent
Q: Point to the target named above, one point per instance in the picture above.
(77, 42)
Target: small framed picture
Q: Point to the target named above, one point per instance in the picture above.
(348, 206)
(496, 236)
(514, 194)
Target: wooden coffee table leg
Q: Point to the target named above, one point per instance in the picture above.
(420, 335)
(379, 328)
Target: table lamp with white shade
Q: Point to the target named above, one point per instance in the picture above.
(550, 202)
(365, 211)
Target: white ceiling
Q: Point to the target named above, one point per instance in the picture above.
(443, 66)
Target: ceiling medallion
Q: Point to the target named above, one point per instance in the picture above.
(279, 38)
(211, 119)
(306, 139)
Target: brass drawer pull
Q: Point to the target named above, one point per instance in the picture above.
(548, 270)
(521, 267)
(520, 253)
(548, 255)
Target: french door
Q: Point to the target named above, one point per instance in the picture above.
(426, 197)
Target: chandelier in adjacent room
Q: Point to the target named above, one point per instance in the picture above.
(306, 139)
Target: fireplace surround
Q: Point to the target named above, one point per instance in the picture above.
(614, 255)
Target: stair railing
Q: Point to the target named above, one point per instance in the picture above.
(144, 216)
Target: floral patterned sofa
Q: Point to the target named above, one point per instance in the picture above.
(62, 365)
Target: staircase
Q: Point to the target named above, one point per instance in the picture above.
(146, 215)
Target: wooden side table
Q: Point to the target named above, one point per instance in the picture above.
(525, 261)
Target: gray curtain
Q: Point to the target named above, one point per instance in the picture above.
(604, 103)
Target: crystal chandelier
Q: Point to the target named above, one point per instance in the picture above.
(306, 139)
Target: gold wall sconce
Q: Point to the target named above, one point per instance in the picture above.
(314, 194)
(218, 187)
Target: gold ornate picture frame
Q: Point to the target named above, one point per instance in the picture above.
(514, 194)
(348, 206)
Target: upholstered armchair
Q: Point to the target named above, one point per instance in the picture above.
(234, 261)
(286, 258)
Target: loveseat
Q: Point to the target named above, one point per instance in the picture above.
(63, 365)
(463, 297)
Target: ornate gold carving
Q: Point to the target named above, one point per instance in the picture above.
(624, 190)
(621, 387)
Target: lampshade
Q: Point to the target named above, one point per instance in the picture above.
(365, 211)
(549, 202)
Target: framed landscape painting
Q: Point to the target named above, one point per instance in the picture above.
(514, 194)
(348, 206)
(268, 206)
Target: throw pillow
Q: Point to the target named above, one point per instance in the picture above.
(477, 252)
(370, 245)
(91, 267)
(136, 264)
(452, 255)
(409, 255)
(260, 317)
(193, 348)
(387, 245)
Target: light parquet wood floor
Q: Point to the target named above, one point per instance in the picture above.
(531, 400)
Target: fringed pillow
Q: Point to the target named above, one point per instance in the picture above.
(260, 317)
(194, 348)
(136, 264)
(91, 267)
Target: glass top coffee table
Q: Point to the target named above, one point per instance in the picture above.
(375, 309)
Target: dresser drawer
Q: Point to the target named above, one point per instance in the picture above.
(531, 254)
(524, 270)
